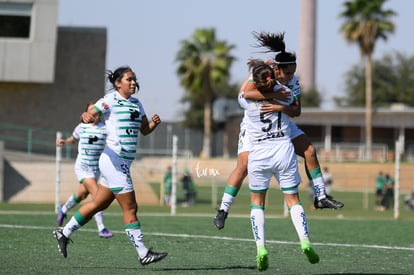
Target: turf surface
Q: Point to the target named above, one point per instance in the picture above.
(350, 241)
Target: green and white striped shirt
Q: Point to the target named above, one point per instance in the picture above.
(123, 118)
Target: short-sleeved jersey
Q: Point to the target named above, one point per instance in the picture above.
(123, 118)
(266, 127)
(91, 142)
(272, 152)
(294, 86)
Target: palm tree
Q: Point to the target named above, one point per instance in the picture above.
(365, 23)
(204, 65)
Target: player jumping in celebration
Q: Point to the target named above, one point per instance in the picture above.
(272, 154)
(91, 141)
(124, 117)
(284, 66)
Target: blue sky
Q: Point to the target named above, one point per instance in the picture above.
(146, 35)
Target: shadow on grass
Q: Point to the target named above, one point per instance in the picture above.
(209, 268)
(170, 269)
(360, 274)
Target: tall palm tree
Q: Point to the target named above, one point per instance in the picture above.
(204, 65)
(366, 22)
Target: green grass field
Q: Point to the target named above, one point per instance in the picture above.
(354, 240)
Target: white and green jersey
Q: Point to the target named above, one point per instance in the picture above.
(91, 142)
(265, 128)
(294, 86)
(123, 118)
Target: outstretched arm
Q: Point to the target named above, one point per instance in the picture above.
(62, 142)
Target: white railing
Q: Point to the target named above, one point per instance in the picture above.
(352, 152)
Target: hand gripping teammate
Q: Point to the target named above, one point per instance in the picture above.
(124, 117)
(91, 141)
(272, 154)
(284, 66)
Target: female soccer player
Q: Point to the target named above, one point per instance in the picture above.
(284, 66)
(124, 118)
(272, 154)
(91, 141)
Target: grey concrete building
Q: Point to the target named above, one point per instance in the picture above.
(47, 73)
(28, 41)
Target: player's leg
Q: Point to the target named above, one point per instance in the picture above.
(259, 172)
(298, 217)
(71, 202)
(305, 149)
(235, 179)
(102, 200)
(232, 188)
(257, 219)
(288, 177)
(92, 186)
(133, 229)
(81, 194)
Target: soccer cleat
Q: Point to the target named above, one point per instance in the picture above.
(262, 259)
(327, 202)
(105, 233)
(220, 219)
(152, 257)
(61, 216)
(310, 253)
(62, 241)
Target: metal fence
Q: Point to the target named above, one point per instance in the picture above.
(42, 141)
(28, 139)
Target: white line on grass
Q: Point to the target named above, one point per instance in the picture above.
(226, 238)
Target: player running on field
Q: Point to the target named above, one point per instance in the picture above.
(124, 118)
(91, 141)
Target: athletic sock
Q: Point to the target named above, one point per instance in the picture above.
(74, 224)
(318, 183)
(70, 203)
(230, 192)
(99, 220)
(133, 231)
(297, 214)
(257, 220)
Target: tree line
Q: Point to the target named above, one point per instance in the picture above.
(204, 64)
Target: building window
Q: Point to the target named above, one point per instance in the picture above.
(15, 19)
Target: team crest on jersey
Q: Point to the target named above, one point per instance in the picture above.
(134, 114)
(105, 106)
(92, 139)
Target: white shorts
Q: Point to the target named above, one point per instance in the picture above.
(115, 172)
(244, 142)
(84, 171)
(276, 159)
